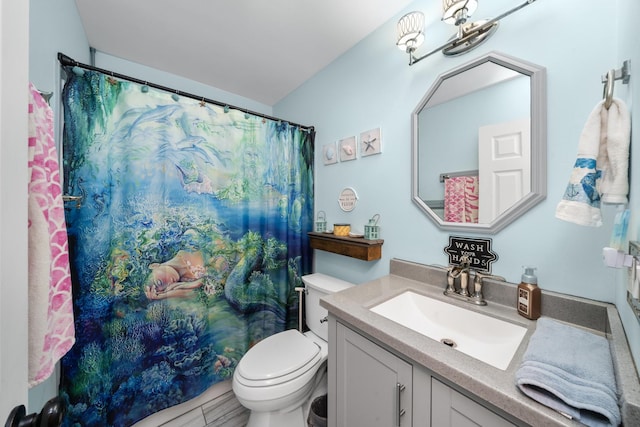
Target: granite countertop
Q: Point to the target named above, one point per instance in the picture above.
(494, 386)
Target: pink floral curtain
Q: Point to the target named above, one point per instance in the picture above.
(461, 199)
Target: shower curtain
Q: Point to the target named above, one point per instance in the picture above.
(190, 239)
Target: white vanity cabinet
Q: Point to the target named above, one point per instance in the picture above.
(371, 386)
(374, 387)
(453, 409)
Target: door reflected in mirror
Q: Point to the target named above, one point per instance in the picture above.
(479, 144)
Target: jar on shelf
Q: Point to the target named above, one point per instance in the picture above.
(341, 229)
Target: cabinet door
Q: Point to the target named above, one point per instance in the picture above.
(374, 387)
(452, 409)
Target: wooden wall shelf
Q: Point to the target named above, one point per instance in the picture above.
(355, 247)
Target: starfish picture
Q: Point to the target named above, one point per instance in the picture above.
(370, 142)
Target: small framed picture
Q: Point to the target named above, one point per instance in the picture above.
(370, 142)
(348, 149)
(329, 153)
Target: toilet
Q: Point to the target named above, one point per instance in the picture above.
(278, 377)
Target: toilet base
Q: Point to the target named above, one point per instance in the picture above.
(296, 417)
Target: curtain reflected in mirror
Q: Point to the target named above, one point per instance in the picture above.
(461, 199)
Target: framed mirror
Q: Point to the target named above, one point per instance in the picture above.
(479, 142)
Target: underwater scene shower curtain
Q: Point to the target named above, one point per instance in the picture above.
(189, 240)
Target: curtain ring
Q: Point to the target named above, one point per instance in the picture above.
(608, 89)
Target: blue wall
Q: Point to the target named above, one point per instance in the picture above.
(372, 85)
(54, 27)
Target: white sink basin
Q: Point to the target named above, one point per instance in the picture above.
(485, 338)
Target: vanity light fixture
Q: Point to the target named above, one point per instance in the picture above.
(456, 12)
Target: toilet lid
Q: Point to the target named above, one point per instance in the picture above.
(277, 356)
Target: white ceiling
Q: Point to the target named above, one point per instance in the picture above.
(258, 49)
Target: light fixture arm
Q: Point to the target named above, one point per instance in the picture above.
(474, 32)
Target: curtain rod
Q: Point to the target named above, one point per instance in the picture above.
(67, 61)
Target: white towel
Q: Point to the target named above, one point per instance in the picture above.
(615, 167)
(603, 150)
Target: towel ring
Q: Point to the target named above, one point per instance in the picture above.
(608, 89)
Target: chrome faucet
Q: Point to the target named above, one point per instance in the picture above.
(463, 272)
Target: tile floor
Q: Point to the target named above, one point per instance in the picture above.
(216, 407)
(223, 411)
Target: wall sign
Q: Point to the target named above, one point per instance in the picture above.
(478, 251)
(347, 199)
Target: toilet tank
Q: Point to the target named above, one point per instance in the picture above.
(319, 285)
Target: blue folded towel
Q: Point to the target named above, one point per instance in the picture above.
(571, 371)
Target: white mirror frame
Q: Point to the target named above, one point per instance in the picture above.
(538, 84)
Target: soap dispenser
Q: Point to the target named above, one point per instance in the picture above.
(529, 295)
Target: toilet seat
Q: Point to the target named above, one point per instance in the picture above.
(278, 359)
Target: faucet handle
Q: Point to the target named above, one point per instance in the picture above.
(464, 282)
(480, 276)
(478, 297)
(453, 272)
